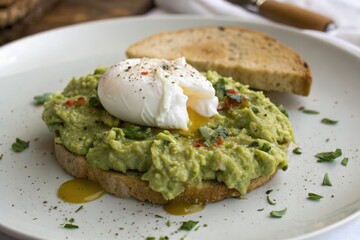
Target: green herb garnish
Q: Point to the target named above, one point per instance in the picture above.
(1, 156)
(278, 214)
(150, 238)
(271, 202)
(260, 209)
(297, 151)
(168, 223)
(283, 110)
(188, 225)
(41, 99)
(95, 102)
(81, 207)
(135, 132)
(254, 144)
(314, 196)
(308, 111)
(20, 145)
(159, 216)
(329, 121)
(265, 147)
(326, 180)
(269, 191)
(221, 131)
(255, 109)
(235, 97)
(345, 161)
(328, 156)
(70, 224)
(164, 238)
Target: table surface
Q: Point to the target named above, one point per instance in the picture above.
(67, 12)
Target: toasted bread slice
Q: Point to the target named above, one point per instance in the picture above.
(250, 57)
(130, 184)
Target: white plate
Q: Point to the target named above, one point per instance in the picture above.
(29, 180)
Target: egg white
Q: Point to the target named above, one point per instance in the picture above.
(156, 92)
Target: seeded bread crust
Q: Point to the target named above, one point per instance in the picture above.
(130, 185)
(253, 58)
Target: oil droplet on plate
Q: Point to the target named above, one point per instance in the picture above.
(183, 208)
(80, 191)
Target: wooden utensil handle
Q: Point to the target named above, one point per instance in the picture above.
(292, 15)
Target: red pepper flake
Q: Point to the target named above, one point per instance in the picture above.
(232, 91)
(229, 102)
(69, 103)
(144, 73)
(198, 143)
(219, 141)
(80, 101)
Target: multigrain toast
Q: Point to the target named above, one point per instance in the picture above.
(130, 184)
(251, 57)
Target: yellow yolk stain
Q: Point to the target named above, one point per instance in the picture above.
(195, 122)
(80, 191)
(183, 208)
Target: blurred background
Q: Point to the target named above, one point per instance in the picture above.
(20, 18)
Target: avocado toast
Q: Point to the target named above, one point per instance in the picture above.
(238, 150)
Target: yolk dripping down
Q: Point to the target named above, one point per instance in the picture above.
(80, 191)
(195, 121)
(183, 208)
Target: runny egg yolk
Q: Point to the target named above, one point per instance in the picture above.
(195, 121)
(183, 208)
(80, 191)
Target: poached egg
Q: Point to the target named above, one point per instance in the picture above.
(157, 93)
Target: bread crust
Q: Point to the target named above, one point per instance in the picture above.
(251, 57)
(130, 184)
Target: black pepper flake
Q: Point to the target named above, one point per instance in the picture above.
(221, 28)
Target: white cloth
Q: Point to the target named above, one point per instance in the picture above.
(345, 13)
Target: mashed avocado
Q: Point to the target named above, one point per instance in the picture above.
(248, 138)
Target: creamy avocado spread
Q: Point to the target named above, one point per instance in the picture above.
(248, 138)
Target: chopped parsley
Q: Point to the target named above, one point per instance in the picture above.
(255, 109)
(314, 196)
(283, 110)
(188, 225)
(278, 214)
(135, 132)
(271, 202)
(211, 136)
(81, 207)
(326, 180)
(1, 156)
(328, 156)
(41, 99)
(297, 151)
(345, 161)
(269, 191)
(233, 96)
(164, 238)
(329, 121)
(308, 111)
(260, 209)
(150, 238)
(168, 223)
(158, 216)
(265, 147)
(20, 145)
(70, 224)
